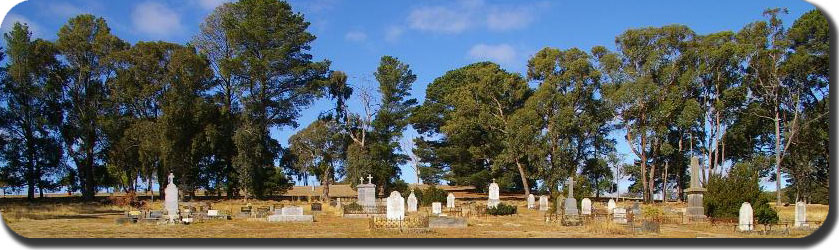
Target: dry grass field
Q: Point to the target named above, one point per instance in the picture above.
(79, 220)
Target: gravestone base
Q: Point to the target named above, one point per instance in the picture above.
(446, 222)
(493, 202)
(290, 218)
(695, 211)
(572, 220)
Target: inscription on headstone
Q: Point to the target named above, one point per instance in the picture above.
(395, 206)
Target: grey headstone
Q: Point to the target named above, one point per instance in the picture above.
(611, 206)
(696, 208)
(746, 218)
(171, 198)
(571, 206)
(412, 202)
(636, 208)
(292, 210)
(800, 214)
(619, 215)
(446, 222)
(543, 203)
(531, 201)
(436, 208)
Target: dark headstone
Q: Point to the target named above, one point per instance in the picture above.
(317, 207)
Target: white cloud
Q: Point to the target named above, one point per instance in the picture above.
(63, 9)
(10, 20)
(501, 53)
(355, 36)
(156, 20)
(393, 33)
(210, 4)
(506, 19)
(466, 14)
(438, 19)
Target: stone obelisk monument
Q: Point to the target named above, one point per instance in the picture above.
(695, 210)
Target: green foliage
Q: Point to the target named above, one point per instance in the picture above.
(764, 214)
(353, 206)
(502, 209)
(727, 193)
(430, 195)
(399, 185)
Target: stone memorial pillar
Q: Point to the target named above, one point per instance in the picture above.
(695, 210)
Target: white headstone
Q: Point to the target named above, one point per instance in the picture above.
(212, 213)
(611, 206)
(450, 201)
(619, 215)
(171, 198)
(586, 206)
(543, 203)
(395, 206)
(531, 201)
(800, 214)
(436, 208)
(746, 222)
(292, 210)
(494, 198)
(412, 202)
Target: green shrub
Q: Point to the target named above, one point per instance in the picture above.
(502, 209)
(400, 186)
(764, 214)
(430, 195)
(727, 193)
(352, 207)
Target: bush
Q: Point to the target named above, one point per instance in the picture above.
(430, 195)
(502, 209)
(352, 207)
(400, 186)
(727, 193)
(764, 214)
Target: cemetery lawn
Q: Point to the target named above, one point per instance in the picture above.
(90, 220)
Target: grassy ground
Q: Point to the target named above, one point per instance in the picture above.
(84, 220)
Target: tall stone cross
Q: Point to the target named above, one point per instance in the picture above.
(360, 180)
(570, 184)
(369, 179)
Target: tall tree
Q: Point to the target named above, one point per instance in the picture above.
(213, 42)
(573, 120)
(30, 114)
(375, 147)
(85, 42)
(646, 88)
(317, 151)
(274, 75)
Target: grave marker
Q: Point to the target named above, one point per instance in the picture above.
(586, 206)
(746, 218)
(395, 206)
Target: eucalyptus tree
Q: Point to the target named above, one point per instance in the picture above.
(572, 118)
(647, 88)
(30, 112)
(85, 42)
(318, 151)
(266, 57)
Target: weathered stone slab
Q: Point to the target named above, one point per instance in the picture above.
(586, 206)
(800, 214)
(446, 222)
(436, 208)
(395, 206)
(290, 218)
(531, 201)
(412, 202)
(543, 203)
(619, 215)
(450, 200)
(611, 206)
(494, 197)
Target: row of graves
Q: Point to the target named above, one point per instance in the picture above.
(175, 212)
(746, 221)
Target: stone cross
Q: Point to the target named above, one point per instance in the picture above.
(360, 180)
(369, 179)
(570, 184)
(171, 178)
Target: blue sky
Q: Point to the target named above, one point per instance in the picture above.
(432, 36)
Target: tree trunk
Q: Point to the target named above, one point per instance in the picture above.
(777, 157)
(664, 184)
(651, 182)
(325, 183)
(524, 183)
